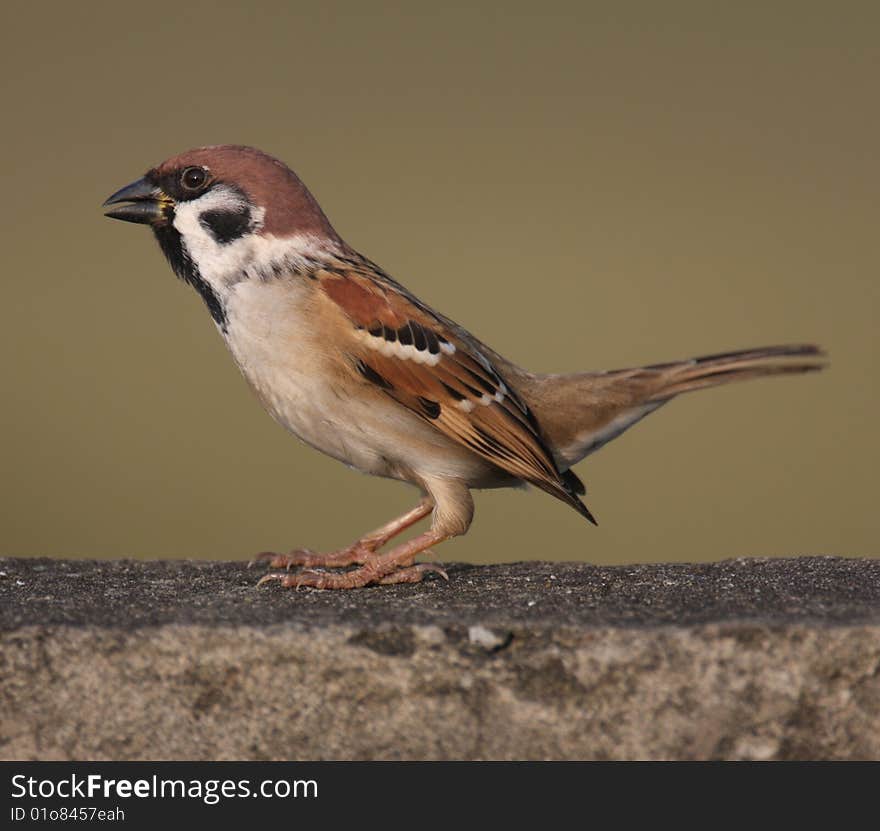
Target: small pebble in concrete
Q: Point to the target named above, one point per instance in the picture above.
(484, 637)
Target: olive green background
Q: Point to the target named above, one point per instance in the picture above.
(583, 186)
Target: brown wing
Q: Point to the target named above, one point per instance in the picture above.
(435, 370)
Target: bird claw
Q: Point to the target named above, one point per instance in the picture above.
(413, 574)
(266, 578)
(298, 557)
(356, 554)
(262, 557)
(312, 578)
(358, 578)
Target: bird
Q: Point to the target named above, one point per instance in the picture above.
(355, 365)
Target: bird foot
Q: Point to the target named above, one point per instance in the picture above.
(355, 554)
(413, 574)
(355, 579)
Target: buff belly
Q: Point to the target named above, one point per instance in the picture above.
(297, 378)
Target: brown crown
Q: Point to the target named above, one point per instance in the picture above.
(268, 183)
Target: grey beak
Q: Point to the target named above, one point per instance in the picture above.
(147, 203)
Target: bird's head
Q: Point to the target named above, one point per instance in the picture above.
(225, 213)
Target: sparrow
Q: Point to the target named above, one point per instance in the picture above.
(358, 367)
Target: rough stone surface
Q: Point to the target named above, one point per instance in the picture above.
(744, 659)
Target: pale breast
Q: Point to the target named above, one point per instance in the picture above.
(278, 335)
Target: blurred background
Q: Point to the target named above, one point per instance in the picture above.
(584, 186)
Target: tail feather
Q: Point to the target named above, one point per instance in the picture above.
(582, 412)
(712, 370)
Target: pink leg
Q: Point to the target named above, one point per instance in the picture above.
(413, 574)
(395, 566)
(357, 553)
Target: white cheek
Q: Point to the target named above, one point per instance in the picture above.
(254, 255)
(217, 262)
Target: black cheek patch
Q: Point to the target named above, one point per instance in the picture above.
(226, 226)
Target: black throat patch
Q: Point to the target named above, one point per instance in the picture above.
(172, 247)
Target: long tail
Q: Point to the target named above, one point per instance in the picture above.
(711, 370)
(580, 413)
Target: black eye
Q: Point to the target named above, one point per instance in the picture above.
(193, 178)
